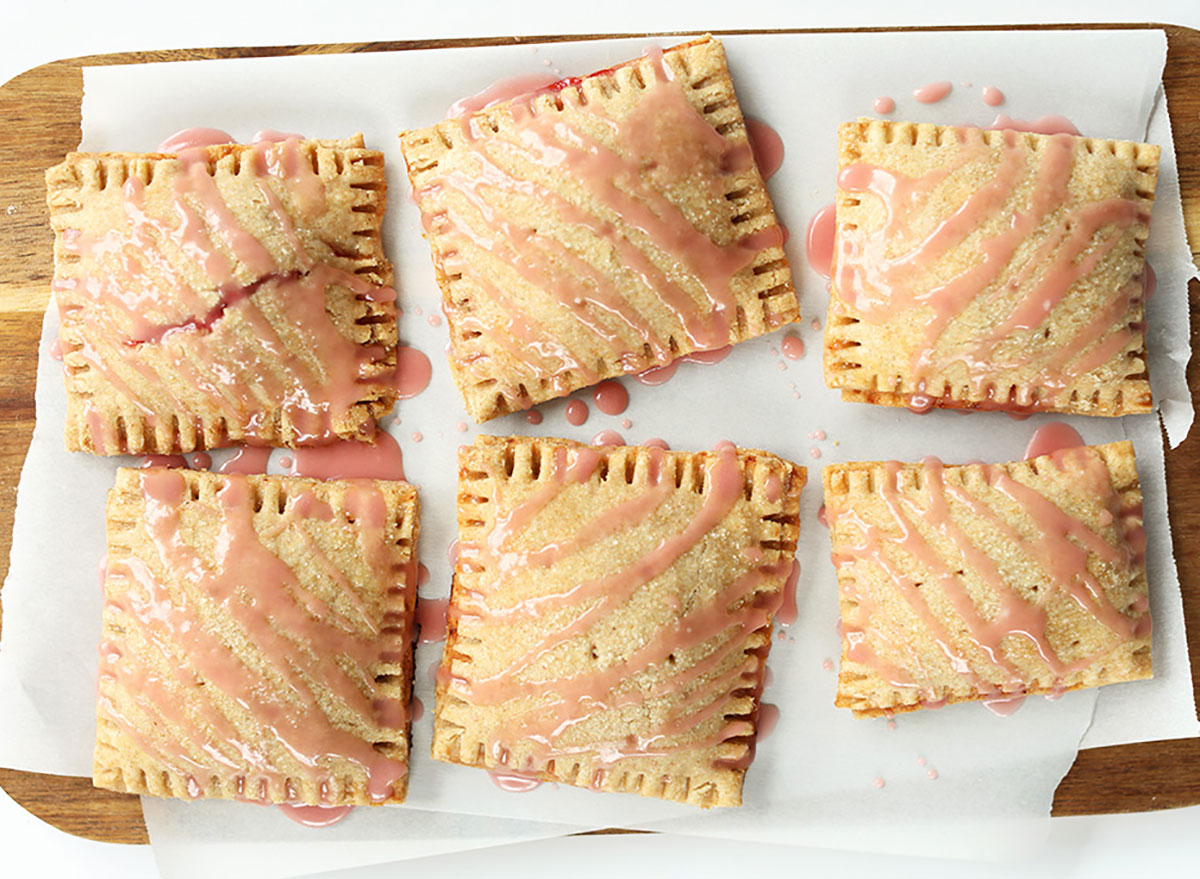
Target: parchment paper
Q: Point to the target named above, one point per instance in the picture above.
(813, 780)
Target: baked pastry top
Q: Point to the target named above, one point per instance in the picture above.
(989, 269)
(227, 294)
(988, 581)
(257, 638)
(598, 227)
(611, 613)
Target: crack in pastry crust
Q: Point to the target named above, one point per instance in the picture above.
(981, 582)
(990, 270)
(598, 227)
(611, 613)
(230, 294)
(257, 638)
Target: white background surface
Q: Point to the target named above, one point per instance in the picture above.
(36, 32)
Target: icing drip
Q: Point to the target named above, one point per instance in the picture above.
(881, 282)
(980, 636)
(621, 203)
(221, 339)
(246, 593)
(556, 705)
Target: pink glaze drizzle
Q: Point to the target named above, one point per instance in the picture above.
(431, 619)
(662, 374)
(413, 371)
(348, 459)
(608, 438)
(247, 459)
(315, 816)
(768, 719)
(934, 92)
(190, 138)
(1052, 437)
(502, 90)
(819, 242)
(1040, 125)
(260, 595)
(767, 146)
(512, 783)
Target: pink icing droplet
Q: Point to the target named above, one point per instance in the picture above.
(417, 436)
(626, 423)
(767, 146)
(992, 96)
(921, 761)
(1149, 283)
(461, 427)
(792, 347)
(821, 516)
(434, 320)
(533, 417)
(819, 243)
(270, 135)
(422, 574)
(413, 372)
(577, 413)
(884, 105)
(817, 434)
(56, 349)
(656, 443)
(816, 324)
(879, 782)
(932, 773)
(418, 709)
(608, 438)
(768, 719)
(610, 397)
(814, 452)
(452, 552)
(920, 403)
(891, 724)
(933, 92)
(201, 461)
(314, 816)
(827, 664)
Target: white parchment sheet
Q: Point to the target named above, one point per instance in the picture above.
(813, 782)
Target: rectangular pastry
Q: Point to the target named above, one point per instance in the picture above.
(226, 294)
(988, 581)
(257, 638)
(611, 613)
(600, 226)
(990, 270)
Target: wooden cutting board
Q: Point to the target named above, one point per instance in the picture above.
(40, 110)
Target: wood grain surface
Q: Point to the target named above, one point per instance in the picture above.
(41, 113)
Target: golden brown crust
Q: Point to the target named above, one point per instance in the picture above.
(153, 404)
(491, 379)
(501, 474)
(921, 647)
(154, 675)
(871, 358)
